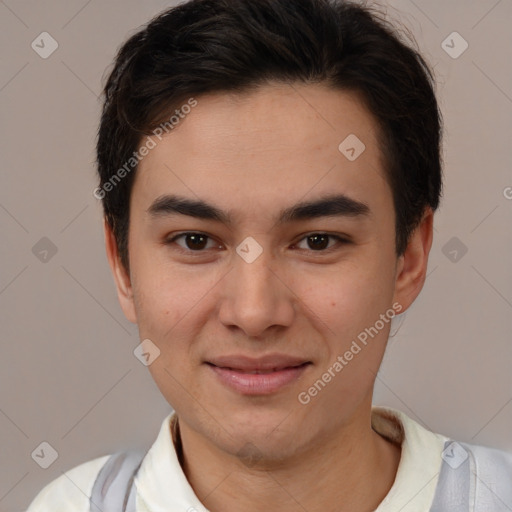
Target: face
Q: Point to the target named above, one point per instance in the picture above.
(281, 271)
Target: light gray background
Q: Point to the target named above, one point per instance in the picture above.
(68, 375)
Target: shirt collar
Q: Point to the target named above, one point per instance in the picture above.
(160, 481)
(162, 485)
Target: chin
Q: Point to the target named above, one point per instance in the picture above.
(271, 430)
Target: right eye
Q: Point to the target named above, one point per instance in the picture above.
(192, 241)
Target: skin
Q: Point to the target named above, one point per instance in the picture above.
(252, 155)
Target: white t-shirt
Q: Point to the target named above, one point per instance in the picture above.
(162, 486)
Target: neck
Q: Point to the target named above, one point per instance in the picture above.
(351, 469)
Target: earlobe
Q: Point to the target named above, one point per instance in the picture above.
(412, 265)
(121, 276)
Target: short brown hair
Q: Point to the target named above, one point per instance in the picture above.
(204, 46)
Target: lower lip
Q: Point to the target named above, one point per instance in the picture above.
(258, 383)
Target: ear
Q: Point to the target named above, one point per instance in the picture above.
(121, 276)
(412, 265)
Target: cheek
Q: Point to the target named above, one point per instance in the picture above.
(163, 291)
(166, 308)
(347, 298)
(172, 306)
(162, 303)
(346, 309)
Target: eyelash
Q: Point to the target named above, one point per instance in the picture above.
(339, 239)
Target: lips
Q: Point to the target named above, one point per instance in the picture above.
(258, 372)
(266, 364)
(262, 376)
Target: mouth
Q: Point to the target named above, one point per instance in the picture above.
(258, 372)
(258, 377)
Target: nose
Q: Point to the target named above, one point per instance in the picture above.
(255, 296)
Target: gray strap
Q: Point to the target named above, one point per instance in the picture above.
(114, 490)
(130, 505)
(453, 488)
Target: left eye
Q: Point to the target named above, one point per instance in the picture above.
(320, 241)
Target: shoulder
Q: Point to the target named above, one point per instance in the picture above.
(69, 492)
(493, 475)
(491, 459)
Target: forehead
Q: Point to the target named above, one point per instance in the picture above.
(267, 148)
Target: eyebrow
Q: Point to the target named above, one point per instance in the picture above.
(338, 205)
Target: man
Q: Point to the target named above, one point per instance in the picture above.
(269, 172)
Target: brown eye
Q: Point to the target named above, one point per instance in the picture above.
(193, 242)
(319, 242)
